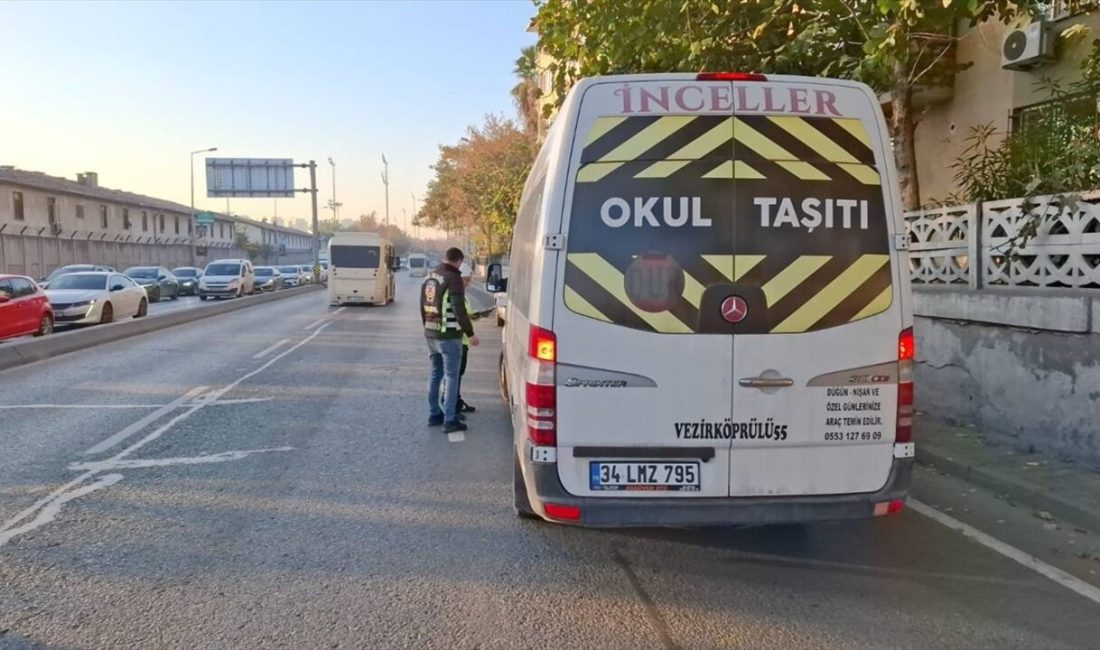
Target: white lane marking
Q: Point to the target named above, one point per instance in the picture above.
(271, 348)
(338, 310)
(50, 511)
(225, 456)
(456, 436)
(314, 324)
(1068, 581)
(243, 400)
(144, 422)
(61, 494)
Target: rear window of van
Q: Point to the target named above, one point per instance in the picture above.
(673, 214)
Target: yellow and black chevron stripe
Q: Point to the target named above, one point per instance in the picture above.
(796, 294)
(751, 147)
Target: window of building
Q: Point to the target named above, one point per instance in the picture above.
(221, 231)
(103, 217)
(1054, 122)
(17, 206)
(1062, 9)
(79, 210)
(177, 225)
(51, 209)
(144, 222)
(126, 225)
(160, 224)
(190, 227)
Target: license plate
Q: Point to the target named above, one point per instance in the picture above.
(355, 298)
(643, 476)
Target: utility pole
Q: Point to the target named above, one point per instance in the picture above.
(386, 182)
(316, 225)
(333, 204)
(416, 228)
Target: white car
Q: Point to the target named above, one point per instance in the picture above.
(227, 279)
(96, 297)
(710, 321)
(292, 276)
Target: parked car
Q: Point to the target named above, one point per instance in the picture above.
(268, 278)
(189, 279)
(96, 297)
(307, 274)
(227, 279)
(158, 281)
(292, 276)
(72, 268)
(24, 308)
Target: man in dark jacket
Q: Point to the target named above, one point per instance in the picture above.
(443, 313)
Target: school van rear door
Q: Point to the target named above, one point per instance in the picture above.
(727, 302)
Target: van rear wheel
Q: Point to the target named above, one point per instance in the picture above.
(521, 504)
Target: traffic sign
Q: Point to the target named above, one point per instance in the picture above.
(250, 177)
(204, 218)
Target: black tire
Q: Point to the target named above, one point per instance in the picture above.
(521, 505)
(176, 294)
(500, 321)
(154, 296)
(45, 326)
(203, 298)
(143, 309)
(107, 315)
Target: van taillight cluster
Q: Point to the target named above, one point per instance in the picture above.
(907, 352)
(542, 396)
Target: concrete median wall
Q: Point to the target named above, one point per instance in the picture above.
(23, 352)
(1020, 365)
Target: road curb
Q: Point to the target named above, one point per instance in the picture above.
(1027, 494)
(18, 354)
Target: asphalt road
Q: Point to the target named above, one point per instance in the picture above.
(265, 478)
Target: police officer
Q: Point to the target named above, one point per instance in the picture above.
(446, 320)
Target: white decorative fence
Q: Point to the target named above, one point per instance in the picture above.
(969, 245)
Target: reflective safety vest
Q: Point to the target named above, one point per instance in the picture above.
(437, 306)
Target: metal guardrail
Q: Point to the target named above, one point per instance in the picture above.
(968, 245)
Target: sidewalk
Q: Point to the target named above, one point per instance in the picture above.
(1048, 487)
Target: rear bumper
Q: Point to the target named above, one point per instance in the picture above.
(543, 485)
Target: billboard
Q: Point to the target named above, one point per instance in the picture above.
(249, 177)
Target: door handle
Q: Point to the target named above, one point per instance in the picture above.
(766, 382)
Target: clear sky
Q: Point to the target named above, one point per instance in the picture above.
(128, 90)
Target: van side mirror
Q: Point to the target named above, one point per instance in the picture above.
(494, 283)
(396, 265)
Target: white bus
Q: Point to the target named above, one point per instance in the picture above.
(361, 271)
(418, 265)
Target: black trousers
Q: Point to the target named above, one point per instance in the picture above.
(462, 370)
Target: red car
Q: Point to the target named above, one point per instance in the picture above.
(24, 308)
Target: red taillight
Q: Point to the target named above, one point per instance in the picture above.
(542, 396)
(889, 507)
(730, 76)
(567, 513)
(907, 345)
(542, 344)
(907, 349)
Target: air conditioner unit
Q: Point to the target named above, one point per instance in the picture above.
(1028, 46)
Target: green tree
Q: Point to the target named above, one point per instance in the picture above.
(892, 45)
(478, 183)
(526, 92)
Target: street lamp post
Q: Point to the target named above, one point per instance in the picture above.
(386, 182)
(193, 224)
(333, 204)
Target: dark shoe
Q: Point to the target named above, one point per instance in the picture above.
(451, 427)
(435, 421)
(463, 407)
